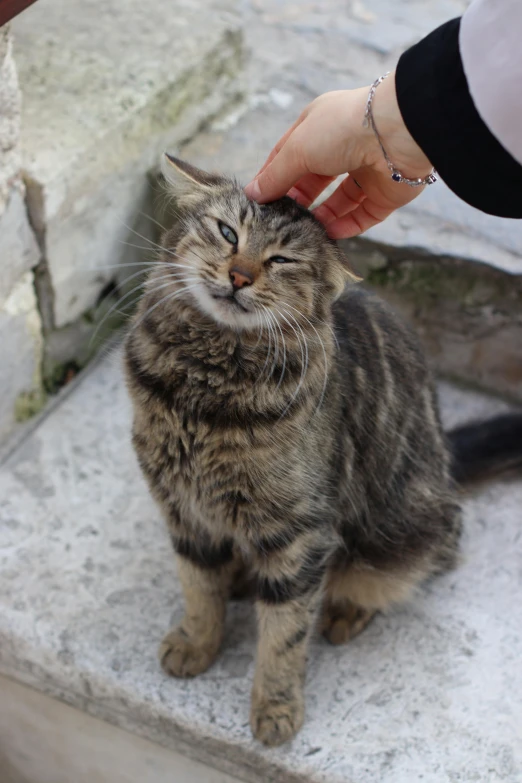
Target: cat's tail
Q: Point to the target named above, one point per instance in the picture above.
(482, 450)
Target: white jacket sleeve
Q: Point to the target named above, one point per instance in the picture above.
(491, 51)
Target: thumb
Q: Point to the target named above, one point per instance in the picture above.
(274, 181)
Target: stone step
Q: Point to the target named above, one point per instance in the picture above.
(103, 96)
(430, 691)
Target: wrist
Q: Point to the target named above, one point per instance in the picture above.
(401, 147)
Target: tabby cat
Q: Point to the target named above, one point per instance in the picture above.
(287, 426)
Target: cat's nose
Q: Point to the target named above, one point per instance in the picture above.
(240, 278)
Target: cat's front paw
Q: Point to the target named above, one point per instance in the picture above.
(181, 657)
(276, 722)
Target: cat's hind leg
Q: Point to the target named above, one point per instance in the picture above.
(426, 543)
(356, 593)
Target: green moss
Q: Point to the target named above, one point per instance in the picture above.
(29, 404)
(380, 277)
(426, 281)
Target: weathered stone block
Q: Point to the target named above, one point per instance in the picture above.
(18, 249)
(468, 315)
(20, 328)
(9, 118)
(97, 117)
(20, 355)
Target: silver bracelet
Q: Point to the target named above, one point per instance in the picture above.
(369, 122)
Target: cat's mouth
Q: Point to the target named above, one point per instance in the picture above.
(229, 300)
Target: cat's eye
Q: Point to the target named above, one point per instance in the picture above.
(281, 260)
(229, 233)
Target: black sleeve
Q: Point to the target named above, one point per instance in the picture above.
(439, 112)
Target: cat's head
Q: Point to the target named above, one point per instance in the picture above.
(241, 259)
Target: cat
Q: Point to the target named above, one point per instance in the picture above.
(286, 423)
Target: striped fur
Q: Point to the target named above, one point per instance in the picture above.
(326, 482)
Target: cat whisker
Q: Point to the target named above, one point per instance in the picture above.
(174, 278)
(122, 299)
(261, 327)
(188, 267)
(125, 280)
(153, 220)
(193, 251)
(160, 247)
(176, 212)
(270, 333)
(133, 263)
(141, 236)
(325, 358)
(155, 244)
(317, 320)
(173, 295)
(113, 309)
(156, 261)
(283, 369)
(119, 286)
(304, 361)
(275, 335)
(138, 247)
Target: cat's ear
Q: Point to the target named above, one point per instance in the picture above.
(349, 274)
(343, 275)
(187, 180)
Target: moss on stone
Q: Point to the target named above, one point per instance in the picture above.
(29, 403)
(468, 284)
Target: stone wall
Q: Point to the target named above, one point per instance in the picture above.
(86, 110)
(20, 327)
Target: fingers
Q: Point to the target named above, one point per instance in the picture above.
(343, 200)
(352, 210)
(279, 146)
(366, 215)
(309, 187)
(284, 167)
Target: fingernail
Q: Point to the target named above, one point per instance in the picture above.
(253, 191)
(299, 197)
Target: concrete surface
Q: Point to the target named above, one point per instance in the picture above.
(20, 351)
(45, 741)
(18, 249)
(21, 343)
(429, 692)
(10, 101)
(20, 328)
(300, 50)
(106, 90)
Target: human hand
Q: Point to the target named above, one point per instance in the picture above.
(328, 139)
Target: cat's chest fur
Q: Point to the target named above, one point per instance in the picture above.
(223, 474)
(223, 440)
